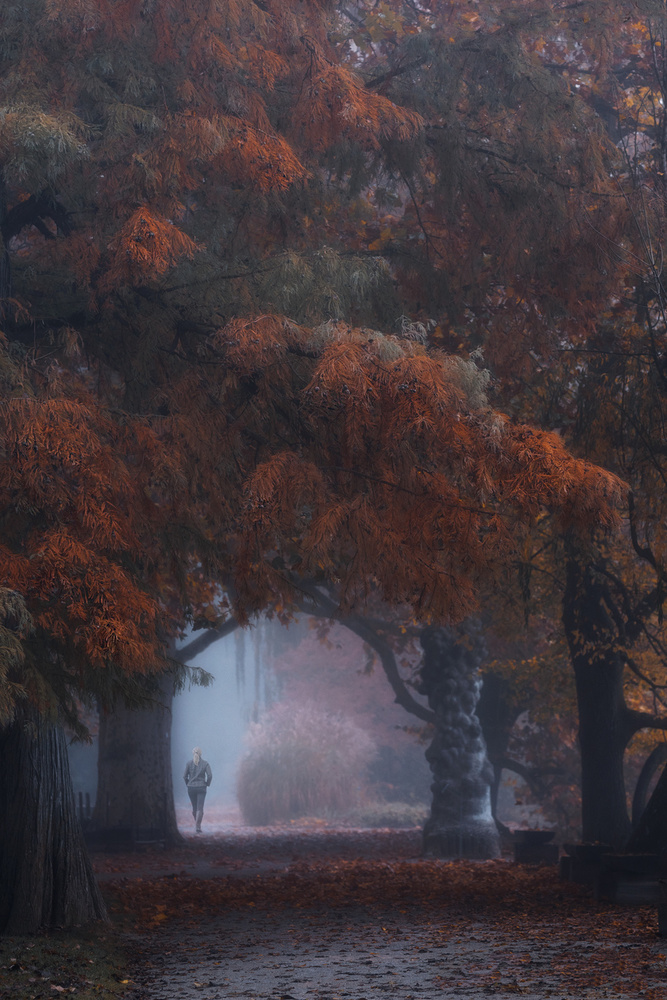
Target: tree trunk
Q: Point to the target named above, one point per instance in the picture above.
(5, 263)
(604, 728)
(497, 712)
(46, 879)
(135, 788)
(460, 824)
(134, 785)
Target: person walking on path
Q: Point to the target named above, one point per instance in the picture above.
(197, 777)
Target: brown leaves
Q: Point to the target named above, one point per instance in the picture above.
(531, 931)
(260, 158)
(145, 247)
(402, 479)
(579, 491)
(77, 517)
(260, 451)
(336, 105)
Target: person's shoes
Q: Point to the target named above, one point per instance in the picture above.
(198, 830)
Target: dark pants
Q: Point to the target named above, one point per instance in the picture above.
(197, 796)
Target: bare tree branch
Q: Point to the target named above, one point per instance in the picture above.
(203, 641)
(316, 601)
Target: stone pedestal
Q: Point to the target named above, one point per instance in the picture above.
(583, 862)
(628, 878)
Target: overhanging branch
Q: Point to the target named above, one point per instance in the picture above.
(203, 641)
(644, 720)
(316, 601)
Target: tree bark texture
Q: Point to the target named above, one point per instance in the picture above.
(134, 785)
(5, 263)
(604, 726)
(46, 879)
(460, 824)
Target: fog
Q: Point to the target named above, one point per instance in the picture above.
(320, 702)
(216, 717)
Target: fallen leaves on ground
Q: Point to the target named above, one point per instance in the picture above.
(85, 964)
(586, 944)
(248, 846)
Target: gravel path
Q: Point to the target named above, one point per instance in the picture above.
(262, 926)
(326, 955)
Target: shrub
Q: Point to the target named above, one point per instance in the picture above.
(388, 814)
(301, 761)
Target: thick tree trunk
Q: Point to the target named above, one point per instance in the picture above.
(5, 263)
(460, 824)
(46, 879)
(604, 727)
(134, 785)
(135, 789)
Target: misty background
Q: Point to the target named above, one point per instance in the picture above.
(303, 700)
(216, 717)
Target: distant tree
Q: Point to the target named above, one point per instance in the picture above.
(341, 672)
(134, 775)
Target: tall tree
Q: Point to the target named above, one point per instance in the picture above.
(461, 823)
(135, 787)
(163, 178)
(530, 221)
(613, 411)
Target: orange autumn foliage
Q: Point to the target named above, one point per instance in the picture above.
(186, 305)
(146, 247)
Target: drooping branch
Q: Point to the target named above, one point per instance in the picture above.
(390, 667)
(203, 641)
(316, 601)
(384, 78)
(655, 759)
(524, 772)
(32, 212)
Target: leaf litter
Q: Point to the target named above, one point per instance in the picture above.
(322, 915)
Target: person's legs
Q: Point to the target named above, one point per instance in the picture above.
(201, 795)
(193, 793)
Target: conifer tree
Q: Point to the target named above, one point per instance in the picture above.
(612, 410)
(194, 385)
(529, 221)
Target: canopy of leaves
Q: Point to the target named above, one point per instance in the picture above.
(195, 389)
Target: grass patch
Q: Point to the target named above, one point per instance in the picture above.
(388, 814)
(82, 963)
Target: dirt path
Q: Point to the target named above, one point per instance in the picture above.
(323, 915)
